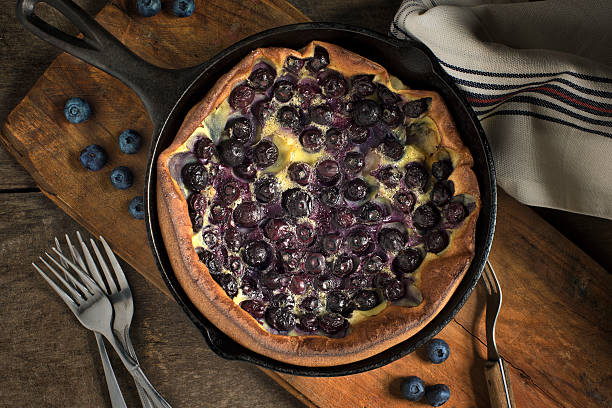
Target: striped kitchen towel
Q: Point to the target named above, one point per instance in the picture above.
(539, 76)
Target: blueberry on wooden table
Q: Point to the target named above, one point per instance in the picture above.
(437, 351)
(77, 110)
(183, 8)
(413, 388)
(93, 157)
(121, 178)
(437, 395)
(136, 207)
(148, 8)
(130, 141)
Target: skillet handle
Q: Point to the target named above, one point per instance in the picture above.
(157, 87)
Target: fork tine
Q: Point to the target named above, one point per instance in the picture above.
(494, 278)
(85, 278)
(485, 279)
(67, 299)
(78, 297)
(76, 257)
(109, 277)
(93, 269)
(121, 279)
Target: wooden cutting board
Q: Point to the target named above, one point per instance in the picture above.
(555, 328)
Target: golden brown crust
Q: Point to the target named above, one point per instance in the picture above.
(439, 274)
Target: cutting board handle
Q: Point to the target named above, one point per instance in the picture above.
(157, 87)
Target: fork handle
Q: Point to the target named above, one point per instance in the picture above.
(498, 383)
(114, 391)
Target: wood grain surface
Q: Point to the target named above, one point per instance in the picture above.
(554, 330)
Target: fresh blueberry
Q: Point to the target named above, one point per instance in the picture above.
(344, 217)
(77, 110)
(121, 178)
(130, 141)
(148, 8)
(183, 8)
(305, 234)
(93, 157)
(437, 395)
(413, 388)
(437, 351)
(136, 207)
(289, 117)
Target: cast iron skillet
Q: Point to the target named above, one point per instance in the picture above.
(169, 94)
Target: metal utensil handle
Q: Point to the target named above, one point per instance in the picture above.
(114, 391)
(498, 383)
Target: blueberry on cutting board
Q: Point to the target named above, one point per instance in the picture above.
(437, 395)
(93, 157)
(121, 178)
(148, 8)
(183, 8)
(413, 388)
(77, 110)
(130, 141)
(136, 207)
(437, 351)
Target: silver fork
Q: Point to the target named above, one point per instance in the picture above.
(498, 381)
(94, 311)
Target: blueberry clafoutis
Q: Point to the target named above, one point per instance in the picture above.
(315, 208)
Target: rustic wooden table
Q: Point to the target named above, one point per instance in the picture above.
(36, 373)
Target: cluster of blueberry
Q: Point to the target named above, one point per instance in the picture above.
(94, 157)
(414, 389)
(308, 244)
(180, 8)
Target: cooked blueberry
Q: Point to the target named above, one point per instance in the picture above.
(210, 238)
(77, 110)
(404, 201)
(391, 239)
(227, 283)
(196, 202)
(183, 8)
(354, 162)
(334, 85)
(442, 192)
(293, 64)
(358, 241)
(212, 262)
(196, 221)
(319, 60)
(240, 129)
(413, 388)
(308, 322)
(130, 141)
(241, 96)
(366, 300)
(344, 218)
(442, 169)
(233, 239)
(330, 196)
(289, 117)
(231, 152)
(121, 178)
(305, 234)
(282, 300)
(327, 282)
(454, 212)
(393, 148)
(381, 280)
(298, 285)
(312, 140)
(290, 259)
(386, 96)
(93, 157)
(255, 308)
(148, 8)
(426, 216)
(416, 176)
(310, 303)
(437, 395)
(437, 351)
(218, 213)
(307, 90)
(229, 191)
(357, 134)
(362, 85)
(275, 229)
(297, 202)
(314, 263)
(266, 189)
(257, 254)
(332, 323)
(343, 265)
(334, 139)
(407, 261)
(356, 189)
(246, 171)
(359, 281)
(321, 114)
(337, 302)
(283, 90)
(331, 243)
(265, 154)
(235, 266)
(262, 110)
(280, 318)
(328, 172)
(262, 78)
(299, 172)
(204, 148)
(136, 207)
(370, 212)
(436, 241)
(247, 214)
(194, 176)
(373, 264)
(392, 115)
(393, 290)
(366, 112)
(416, 108)
(273, 280)
(389, 176)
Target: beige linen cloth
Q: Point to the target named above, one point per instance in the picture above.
(539, 76)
